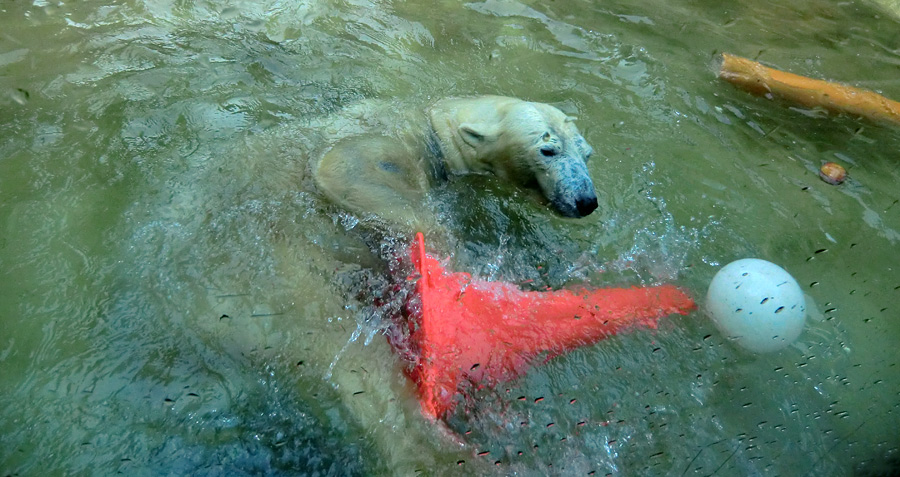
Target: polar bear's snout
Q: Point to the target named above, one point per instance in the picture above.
(585, 205)
(584, 195)
(569, 188)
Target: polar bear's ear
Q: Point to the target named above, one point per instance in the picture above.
(474, 134)
(571, 119)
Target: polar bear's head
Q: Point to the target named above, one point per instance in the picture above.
(533, 144)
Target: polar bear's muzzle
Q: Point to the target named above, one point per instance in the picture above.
(569, 188)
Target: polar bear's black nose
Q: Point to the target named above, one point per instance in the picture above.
(585, 205)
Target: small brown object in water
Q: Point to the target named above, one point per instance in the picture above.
(832, 173)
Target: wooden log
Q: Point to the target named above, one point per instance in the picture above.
(811, 93)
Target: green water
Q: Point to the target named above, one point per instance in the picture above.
(176, 298)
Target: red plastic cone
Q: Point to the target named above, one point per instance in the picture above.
(487, 332)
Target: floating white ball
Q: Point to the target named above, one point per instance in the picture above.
(757, 304)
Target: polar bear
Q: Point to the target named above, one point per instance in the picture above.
(531, 144)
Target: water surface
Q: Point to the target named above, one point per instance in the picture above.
(176, 298)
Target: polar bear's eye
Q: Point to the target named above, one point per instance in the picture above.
(549, 151)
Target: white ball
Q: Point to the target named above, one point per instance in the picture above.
(757, 304)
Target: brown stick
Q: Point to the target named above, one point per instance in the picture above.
(812, 93)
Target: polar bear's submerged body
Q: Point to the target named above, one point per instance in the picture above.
(531, 144)
(384, 163)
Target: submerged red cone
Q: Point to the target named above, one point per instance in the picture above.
(488, 332)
